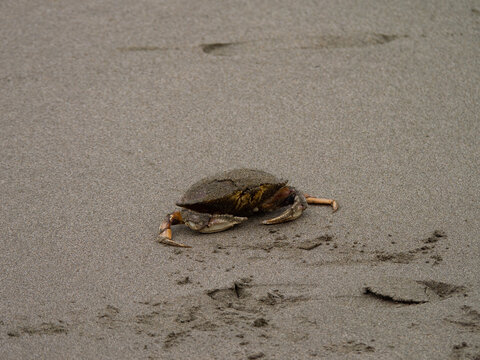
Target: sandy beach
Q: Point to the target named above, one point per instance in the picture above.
(111, 110)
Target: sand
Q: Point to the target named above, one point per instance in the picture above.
(110, 110)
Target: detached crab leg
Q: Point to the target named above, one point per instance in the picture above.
(321, 201)
(165, 235)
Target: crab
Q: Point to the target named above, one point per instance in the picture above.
(221, 201)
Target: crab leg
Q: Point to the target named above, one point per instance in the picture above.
(165, 234)
(219, 222)
(321, 201)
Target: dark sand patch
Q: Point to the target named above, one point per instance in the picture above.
(313, 243)
(45, 328)
(350, 347)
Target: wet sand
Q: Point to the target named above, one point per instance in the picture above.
(110, 111)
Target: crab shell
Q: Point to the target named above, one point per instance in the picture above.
(237, 192)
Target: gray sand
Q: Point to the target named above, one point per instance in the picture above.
(110, 111)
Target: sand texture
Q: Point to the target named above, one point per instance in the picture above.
(110, 110)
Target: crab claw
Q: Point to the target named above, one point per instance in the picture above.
(292, 213)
